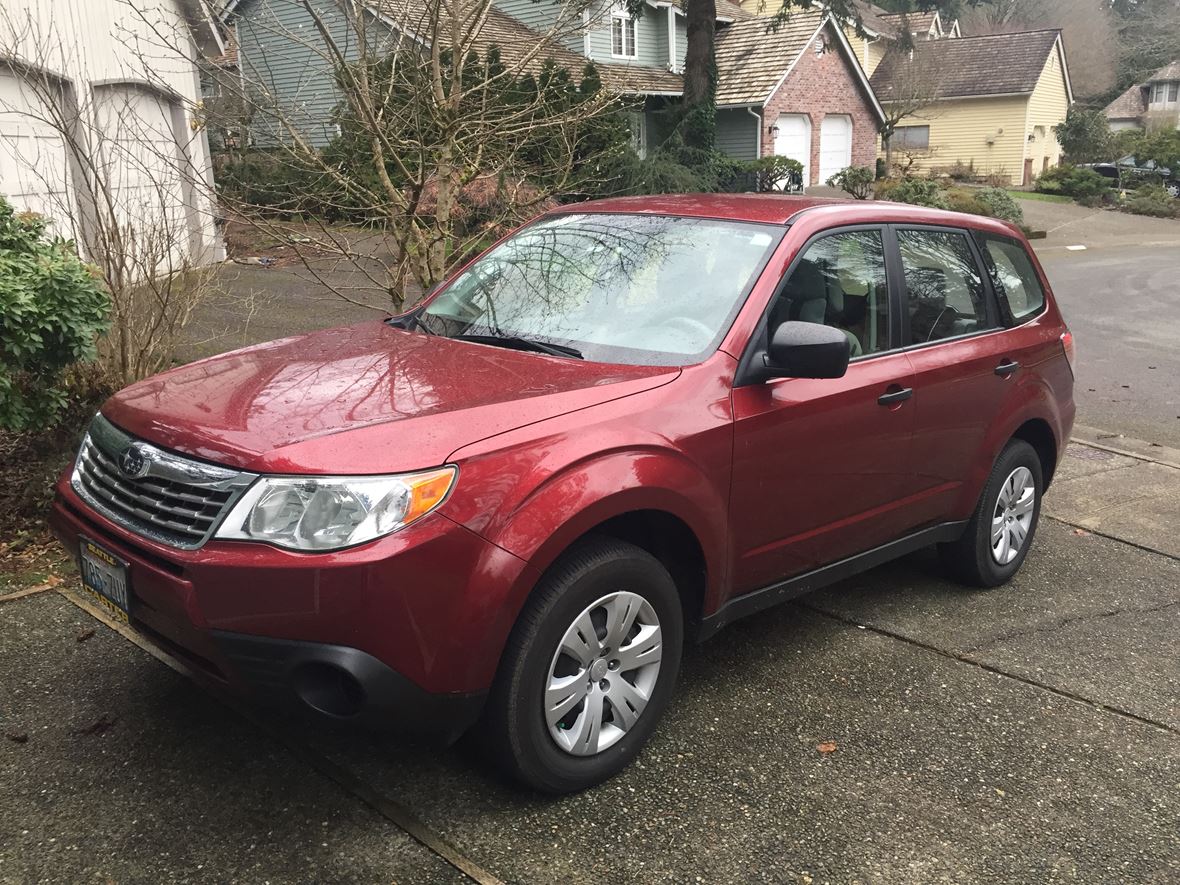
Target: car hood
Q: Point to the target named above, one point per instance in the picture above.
(361, 399)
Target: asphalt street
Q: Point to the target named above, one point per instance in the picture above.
(1123, 306)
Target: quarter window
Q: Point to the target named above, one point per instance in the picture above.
(944, 290)
(840, 282)
(1013, 277)
(622, 33)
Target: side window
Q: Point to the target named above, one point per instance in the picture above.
(1013, 277)
(840, 282)
(944, 290)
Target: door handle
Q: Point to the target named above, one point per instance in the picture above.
(1007, 368)
(895, 396)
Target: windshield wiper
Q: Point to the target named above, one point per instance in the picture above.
(519, 343)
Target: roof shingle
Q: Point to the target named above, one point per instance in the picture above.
(1169, 72)
(998, 64)
(1131, 105)
(751, 60)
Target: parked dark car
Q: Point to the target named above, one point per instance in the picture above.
(628, 424)
(1127, 173)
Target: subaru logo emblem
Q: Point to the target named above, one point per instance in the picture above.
(134, 462)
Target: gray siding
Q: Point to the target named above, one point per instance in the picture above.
(681, 41)
(651, 39)
(541, 15)
(280, 56)
(737, 134)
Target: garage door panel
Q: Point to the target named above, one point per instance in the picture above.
(794, 140)
(835, 145)
(34, 171)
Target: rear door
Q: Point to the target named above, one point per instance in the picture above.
(963, 362)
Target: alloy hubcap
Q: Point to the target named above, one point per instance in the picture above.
(603, 673)
(1012, 518)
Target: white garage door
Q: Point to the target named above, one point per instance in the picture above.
(794, 140)
(145, 175)
(835, 145)
(34, 173)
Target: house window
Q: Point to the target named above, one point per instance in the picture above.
(622, 33)
(1157, 93)
(1173, 92)
(914, 138)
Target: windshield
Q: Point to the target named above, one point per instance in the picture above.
(634, 289)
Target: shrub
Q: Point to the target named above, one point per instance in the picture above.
(881, 170)
(960, 171)
(961, 199)
(771, 173)
(1153, 201)
(917, 191)
(998, 203)
(1083, 185)
(52, 310)
(855, 180)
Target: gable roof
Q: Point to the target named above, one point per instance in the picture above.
(753, 61)
(966, 67)
(920, 22)
(1131, 105)
(1168, 72)
(875, 20)
(726, 11)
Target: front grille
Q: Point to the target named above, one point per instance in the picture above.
(165, 496)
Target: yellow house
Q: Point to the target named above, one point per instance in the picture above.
(986, 102)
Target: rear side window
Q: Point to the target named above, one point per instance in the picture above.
(943, 286)
(1013, 277)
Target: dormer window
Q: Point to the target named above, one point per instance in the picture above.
(622, 33)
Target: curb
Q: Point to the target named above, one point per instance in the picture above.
(1132, 448)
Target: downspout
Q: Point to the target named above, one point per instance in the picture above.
(757, 132)
(672, 54)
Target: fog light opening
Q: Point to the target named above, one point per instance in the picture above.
(329, 689)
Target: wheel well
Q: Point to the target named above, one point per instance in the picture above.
(1039, 435)
(669, 539)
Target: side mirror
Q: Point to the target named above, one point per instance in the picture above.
(807, 350)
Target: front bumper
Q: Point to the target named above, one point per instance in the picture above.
(404, 632)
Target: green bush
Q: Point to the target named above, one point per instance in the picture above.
(1154, 201)
(855, 180)
(916, 191)
(962, 199)
(771, 173)
(1083, 185)
(52, 310)
(998, 203)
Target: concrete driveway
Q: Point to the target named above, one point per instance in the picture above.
(1031, 734)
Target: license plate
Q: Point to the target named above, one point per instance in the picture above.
(104, 575)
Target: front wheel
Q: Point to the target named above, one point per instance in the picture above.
(1173, 189)
(589, 668)
(1001, 531)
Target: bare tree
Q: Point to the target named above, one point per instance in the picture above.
(439, 106)
(910, 97)
(116, 169)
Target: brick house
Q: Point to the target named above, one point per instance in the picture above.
(797, 92)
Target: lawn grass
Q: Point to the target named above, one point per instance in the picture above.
(1044, 198)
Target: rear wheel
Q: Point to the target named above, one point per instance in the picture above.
(1173, 188)
(589, 668)
(1001, 531)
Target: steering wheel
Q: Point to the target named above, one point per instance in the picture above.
(695, 326)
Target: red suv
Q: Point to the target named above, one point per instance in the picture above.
(627, 424)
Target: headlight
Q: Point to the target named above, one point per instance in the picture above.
(330, 512)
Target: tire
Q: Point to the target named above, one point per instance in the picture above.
(972, 559)
(563, 756)
(1173, 189)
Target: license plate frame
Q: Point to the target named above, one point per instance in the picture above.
(105, 578)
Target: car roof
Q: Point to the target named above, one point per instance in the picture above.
(786, 209)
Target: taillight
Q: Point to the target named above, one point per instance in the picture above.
(1067, 346)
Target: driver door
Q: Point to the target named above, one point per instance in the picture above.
(819, 464)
